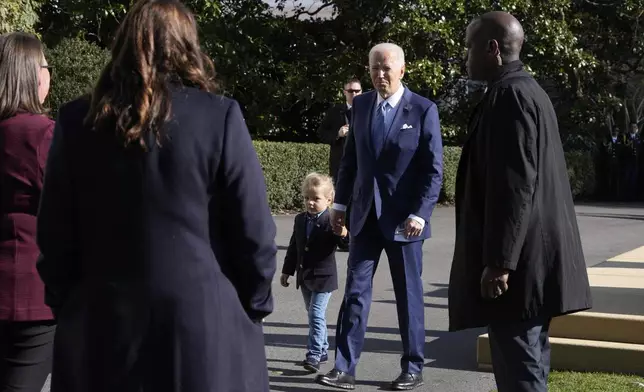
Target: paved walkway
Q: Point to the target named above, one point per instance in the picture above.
(606, 231)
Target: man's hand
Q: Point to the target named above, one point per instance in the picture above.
(494, 282)
(343, 131)
(337, 220)
(284, 280)
(340, 231)
(412, 228)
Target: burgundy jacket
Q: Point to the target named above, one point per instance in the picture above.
(24, 144)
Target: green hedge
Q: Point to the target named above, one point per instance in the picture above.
(286, 164)
(77, 66)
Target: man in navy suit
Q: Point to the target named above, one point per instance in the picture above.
(391, 170)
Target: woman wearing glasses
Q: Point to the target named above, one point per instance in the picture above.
(26, 323)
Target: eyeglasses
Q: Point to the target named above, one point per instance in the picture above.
(50, 68)
(353, 91)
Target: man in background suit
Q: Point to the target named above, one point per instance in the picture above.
(333, 131)
(392, 172)
(335, 126)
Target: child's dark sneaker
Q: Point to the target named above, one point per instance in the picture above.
(312, 365)
(324, 358)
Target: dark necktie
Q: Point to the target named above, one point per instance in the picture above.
(310, 222)
(379, 127)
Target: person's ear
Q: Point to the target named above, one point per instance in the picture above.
(494, 50)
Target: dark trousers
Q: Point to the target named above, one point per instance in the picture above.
(26, 350)
(405, 265)
(521, 355)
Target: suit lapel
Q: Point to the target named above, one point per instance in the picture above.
(301, 233)
(368, 120)
(402, 112)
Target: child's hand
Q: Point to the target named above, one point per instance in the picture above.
(341, 231)
(284, 280)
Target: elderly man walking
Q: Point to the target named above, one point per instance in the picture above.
(392, 172)
(518, 260)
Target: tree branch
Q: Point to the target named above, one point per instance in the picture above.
(303, 11)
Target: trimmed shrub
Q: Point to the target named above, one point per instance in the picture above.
(451, 156)
(77, 66)
(286, 164)
(581, 172)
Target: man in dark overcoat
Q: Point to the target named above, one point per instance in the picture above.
(334, 128)
(518, 260)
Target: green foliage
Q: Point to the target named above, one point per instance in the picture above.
(286, 69)
(77, 66)
(451, 157)
(581, 172)
(18, 15)
(285, 165)
(560, 381)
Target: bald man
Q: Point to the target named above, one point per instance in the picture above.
(392, 172)
(518, 260)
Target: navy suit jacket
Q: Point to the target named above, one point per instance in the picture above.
(165, 257)
(409, 168)
(313, 258)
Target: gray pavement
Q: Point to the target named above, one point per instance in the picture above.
(606, 230)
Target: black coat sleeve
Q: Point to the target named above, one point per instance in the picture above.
(328, 129)
(510, 177)
(247, 230)
(58, 264)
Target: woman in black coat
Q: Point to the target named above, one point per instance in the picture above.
(157, 241)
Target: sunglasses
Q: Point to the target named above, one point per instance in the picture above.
(353, 91)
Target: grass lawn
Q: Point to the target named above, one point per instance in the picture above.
(594, 382)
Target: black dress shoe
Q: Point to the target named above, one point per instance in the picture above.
(407, 381)
(337, 379)
(312, 365)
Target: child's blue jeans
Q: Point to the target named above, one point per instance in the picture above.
(316, 304)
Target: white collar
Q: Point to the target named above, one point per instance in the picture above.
(394, 98)
(348, 106)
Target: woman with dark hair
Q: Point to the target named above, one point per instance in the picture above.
(157, 239)
(26, 323)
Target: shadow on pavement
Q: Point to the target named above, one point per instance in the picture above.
(612, 216)
(310, 380)
(448, 350)
(393, 302)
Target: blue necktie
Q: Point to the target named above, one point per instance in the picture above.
(310, 222)
(378, 128)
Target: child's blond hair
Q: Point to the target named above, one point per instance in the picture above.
(315, 180)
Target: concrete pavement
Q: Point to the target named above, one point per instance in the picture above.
(606, 230)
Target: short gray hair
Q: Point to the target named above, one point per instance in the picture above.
(391, 48)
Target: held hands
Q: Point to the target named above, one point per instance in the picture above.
(344, 130)
(284, 280)
(337, 220)
(494, 282)
(340, 231)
